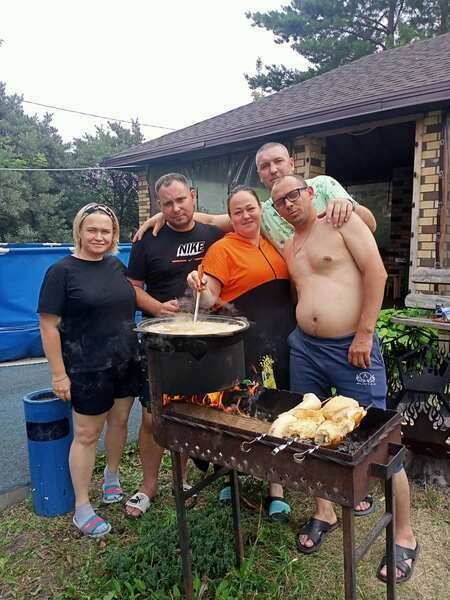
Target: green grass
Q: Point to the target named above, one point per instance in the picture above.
(48, 559)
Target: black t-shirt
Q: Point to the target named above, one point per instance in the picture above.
(96, 304)
(164, 262)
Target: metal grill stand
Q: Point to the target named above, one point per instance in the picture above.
(344, 477)
(352, 553)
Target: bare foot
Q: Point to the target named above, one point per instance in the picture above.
(362, 506)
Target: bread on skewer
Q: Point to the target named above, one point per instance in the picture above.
(351, 412)
(327, 426)
(336, 404)
(307, 423)
(331, 433)
(309, 402)
(279, 427)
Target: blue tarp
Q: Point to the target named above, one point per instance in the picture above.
(22, 268)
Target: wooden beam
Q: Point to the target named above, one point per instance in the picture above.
(424, 275)
(369, 125)
(422, 322)
(425, 300)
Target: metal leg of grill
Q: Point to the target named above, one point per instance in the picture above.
(350, 563)
(183, 532)
(390, 539)
(238, 542)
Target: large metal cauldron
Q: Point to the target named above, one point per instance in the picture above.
(190, 364)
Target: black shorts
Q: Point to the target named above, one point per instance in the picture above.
(94, 392)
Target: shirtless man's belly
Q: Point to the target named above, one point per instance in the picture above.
(327, 281)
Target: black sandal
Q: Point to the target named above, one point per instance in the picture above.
(317, 531)
(402, 554)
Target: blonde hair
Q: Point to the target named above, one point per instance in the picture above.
(90, 209)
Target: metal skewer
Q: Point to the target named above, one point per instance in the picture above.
(197, 297)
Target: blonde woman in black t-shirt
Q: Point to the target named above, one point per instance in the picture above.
(86, 308)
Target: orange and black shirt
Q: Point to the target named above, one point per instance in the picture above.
(255, 281)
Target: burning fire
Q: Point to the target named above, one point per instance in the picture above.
(230, 400)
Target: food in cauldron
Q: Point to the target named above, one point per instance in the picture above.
(327, 426)
(184, 325)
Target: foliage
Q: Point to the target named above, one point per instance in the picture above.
(331, 33)
(29, 201)
(116, 188)
(390, 332)
(40, 205)
(410, 344)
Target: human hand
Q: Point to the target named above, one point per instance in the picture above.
(339, 211)
(156, 223)
(196, 281)
(168, 309)
(360, 349)
(61, 387)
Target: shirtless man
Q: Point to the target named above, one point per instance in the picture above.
(340, 278)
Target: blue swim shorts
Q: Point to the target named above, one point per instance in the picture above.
(318, 364)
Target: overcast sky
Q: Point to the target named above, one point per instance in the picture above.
(167, 62)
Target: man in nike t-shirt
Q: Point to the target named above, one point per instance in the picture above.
(158, 268)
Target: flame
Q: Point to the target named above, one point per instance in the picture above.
(216, 399)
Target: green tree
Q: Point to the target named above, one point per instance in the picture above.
(40, 205)
(29, 201)
(115, 188)
(330, 33)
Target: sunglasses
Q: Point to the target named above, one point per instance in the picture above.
(93, 208)
(292, 196)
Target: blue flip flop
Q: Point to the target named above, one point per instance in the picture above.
(225, 495)
(278, 509)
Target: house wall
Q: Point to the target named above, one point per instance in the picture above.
(430, 216)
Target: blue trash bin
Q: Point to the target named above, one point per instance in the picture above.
(50, 433)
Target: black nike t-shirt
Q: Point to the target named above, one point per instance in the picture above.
(164, 262)
(96, 304)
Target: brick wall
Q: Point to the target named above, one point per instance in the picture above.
(429, 191)
(310, 156)
(427, 212)
(143, 197)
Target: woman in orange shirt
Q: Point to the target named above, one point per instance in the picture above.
(245, 270)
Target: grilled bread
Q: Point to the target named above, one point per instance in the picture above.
(280, 426)
(336, 404)
(309, 402)
(331, 433)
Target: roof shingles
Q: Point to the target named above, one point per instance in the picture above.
(403, 71)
